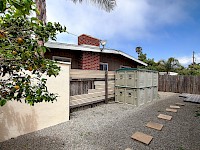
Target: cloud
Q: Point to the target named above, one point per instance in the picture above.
(186, 60)
(136, 19)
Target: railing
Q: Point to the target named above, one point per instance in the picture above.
(90, 86)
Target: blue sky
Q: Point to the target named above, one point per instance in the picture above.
(163, 28)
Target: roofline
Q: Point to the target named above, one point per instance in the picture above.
(90, 48)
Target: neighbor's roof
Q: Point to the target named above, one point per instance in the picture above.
(169, 73)
(90, 48)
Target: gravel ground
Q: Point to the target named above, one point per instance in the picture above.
(109, 127)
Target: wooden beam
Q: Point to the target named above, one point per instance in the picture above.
(91, 91)
(91, 95)
(106, 86)
(88, 100)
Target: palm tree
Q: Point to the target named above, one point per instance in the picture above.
(41, 6)
(107, 5)
(138, 50)
(169, 65)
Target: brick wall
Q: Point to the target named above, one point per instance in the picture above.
(88, 40)
(90, 61)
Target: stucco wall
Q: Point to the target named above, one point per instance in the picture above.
(18, 118)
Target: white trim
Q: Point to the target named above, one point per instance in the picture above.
(63, 59)
(90, 49)
(122, 66)
(61, 62)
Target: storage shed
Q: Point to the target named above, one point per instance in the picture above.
(136, 86)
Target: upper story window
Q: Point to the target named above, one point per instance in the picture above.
(104, 66)
(63, 59)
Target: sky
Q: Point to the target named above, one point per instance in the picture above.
(163, 28)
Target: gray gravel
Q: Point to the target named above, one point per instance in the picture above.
(109, 127)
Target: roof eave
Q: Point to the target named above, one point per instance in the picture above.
(90, 48)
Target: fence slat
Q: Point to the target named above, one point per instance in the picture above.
(179, 84)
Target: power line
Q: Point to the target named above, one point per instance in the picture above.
(72, 34)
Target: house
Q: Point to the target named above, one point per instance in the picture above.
(88, 55)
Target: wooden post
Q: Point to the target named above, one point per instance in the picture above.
(106, 86)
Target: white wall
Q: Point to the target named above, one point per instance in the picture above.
(18, 118)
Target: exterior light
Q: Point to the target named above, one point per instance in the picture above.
(103, 43)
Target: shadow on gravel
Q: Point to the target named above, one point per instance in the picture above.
(30, 141)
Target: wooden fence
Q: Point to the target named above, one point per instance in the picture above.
(179, 84)
(90, 86)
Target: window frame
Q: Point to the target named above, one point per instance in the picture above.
(101, 63)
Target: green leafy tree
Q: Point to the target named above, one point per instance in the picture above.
(172, 64)
(152, 65)
(169, 65)
(193, 69)
(21, 61)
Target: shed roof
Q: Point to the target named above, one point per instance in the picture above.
(90, 49)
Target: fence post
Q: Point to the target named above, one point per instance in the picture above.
(106, 86)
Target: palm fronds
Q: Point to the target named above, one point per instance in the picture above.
(106, 5)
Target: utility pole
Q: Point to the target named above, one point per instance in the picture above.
(193, 58)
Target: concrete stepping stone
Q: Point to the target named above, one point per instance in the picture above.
(180, 104)
(141, 137)
(154, 125)
(171, 110)
(165, 117)
(176, 107)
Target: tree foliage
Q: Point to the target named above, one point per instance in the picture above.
(152, 65)
(21, 53)
(192, 69)
(138, 50)
(171, 64)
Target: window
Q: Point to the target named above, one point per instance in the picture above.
(103, 66)
(63, 59)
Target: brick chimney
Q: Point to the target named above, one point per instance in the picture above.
(88, 40)
(89, 60)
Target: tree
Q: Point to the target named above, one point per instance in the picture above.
(41, 7)
(192, 69)
(152, 65)
(170, 65)
(21, 60)
(139, 51)
(106, 5)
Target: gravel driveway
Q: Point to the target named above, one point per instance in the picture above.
(109, 127)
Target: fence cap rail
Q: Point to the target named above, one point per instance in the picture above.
(135, 69)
